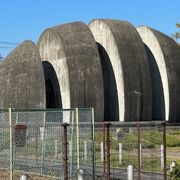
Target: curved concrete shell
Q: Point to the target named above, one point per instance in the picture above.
(72, 52)
(164, 57)
(22, 78)
(125, 70)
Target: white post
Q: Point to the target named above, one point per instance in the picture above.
(162, 156)
(130, 172)
(56, 148)
(172, 166)
(140, 154)
(102, 152)
(80, 174)
(23, 177)
(42, 131)
(120, 153)
(85, 151)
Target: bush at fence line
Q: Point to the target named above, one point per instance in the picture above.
(175, 173)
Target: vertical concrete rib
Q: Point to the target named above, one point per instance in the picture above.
(167, 55)
(130, 65)
(72, 51)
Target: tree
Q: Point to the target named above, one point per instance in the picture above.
(176, 35)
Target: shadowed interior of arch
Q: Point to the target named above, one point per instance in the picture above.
(111, 107)
(158, 104)
(53, 95)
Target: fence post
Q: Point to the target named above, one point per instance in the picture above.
(130, 172)
(106, 151)
(85, 151)
(162, 156)
(102, 151)
(93, 145)
(164, 149)
(10, 143)
(141, 156)
(103, 146)
(120, 153)
(55, 148)
(139, 151)
(65, 153)
(77, 137)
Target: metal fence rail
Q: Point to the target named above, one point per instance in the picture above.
(148, 148)
(63, 144)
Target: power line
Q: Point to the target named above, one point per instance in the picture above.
(6, 47)
(8, 42)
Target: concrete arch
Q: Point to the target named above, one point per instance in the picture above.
(53, 95)
(22, 79)
(167, 54)
(111, 109)
(129, 61)
(72, 51)
(158, 104)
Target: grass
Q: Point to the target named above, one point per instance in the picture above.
(150, 141)
(5, 175)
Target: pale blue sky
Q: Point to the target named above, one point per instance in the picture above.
(26, 19)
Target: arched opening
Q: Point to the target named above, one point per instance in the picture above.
(111, 107)
(53, 95)
(158, 104)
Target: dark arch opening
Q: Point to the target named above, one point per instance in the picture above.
(158, 105)
(111, 107)
(53, 95)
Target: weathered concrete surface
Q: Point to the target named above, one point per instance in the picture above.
(167, 56)
(130, 65)
(72, 51)
(22, 78)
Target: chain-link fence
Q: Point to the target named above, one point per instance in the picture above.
(63, 144)
(33, 143)
(173, 150)
(136, 150)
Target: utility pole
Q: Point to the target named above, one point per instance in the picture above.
(1, 58)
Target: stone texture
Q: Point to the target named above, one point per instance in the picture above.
(22, 78)
(72, 52)
(166, 55)
(128, 59)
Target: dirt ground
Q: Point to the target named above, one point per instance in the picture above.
(4, 175)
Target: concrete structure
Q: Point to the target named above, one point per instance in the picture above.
(164, 59)
(22, 78)
(71, 53)
(127, 83)
(126, 74)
